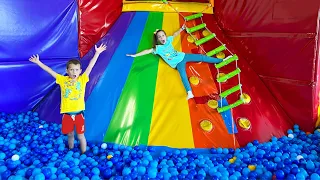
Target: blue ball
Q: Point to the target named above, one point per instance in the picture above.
(181, 176)
(315, 176)
(225, 151)
(95, 171)
(231, 151)
(291, 176)
(133, 163)
(126, 153)
(6, 174)
(152, 172)
(255, 142)
(141, 170)
(145, 162)
(117, 178)
(300, 176)
(310, 165)
(286, 170)
(46, 172)
(280, 174)
(119, 166)
(109, 164)
(231, 170)
(40, 176)
(126, 171)
(127, 177)
(213, 150)
(200, 177)
(2, 155)
(253, 174)
(107, 173)
(280, 165)
(11, 165)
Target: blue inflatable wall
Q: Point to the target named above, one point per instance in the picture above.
(49, 29)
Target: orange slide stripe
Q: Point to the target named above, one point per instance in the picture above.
(218, 136)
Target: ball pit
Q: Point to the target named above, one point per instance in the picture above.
(30, 148)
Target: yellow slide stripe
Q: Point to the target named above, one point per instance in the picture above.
(170, 125)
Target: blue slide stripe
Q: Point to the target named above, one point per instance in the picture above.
(227, 118)
(107, 91)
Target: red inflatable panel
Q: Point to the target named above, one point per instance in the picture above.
(260, 16)
(278, 39)
(96, 17)
(266, 116)
(316, 90)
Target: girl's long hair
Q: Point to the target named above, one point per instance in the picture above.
(155, 38)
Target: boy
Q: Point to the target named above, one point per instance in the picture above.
(72, 95)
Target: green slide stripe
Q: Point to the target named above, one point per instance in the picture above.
(130, 124)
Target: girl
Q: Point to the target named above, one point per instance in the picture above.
(163, 47)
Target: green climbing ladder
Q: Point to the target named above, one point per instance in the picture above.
(226, 61)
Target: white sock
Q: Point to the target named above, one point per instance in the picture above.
(190, 95)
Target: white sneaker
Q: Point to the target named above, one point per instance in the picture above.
(227, 58)
(190, 95)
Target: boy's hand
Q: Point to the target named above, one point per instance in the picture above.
(94, 59)
(131, 55)
(34, 59)
(101, 48)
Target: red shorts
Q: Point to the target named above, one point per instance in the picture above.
(69, 121)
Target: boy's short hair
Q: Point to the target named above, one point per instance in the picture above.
(73, 61)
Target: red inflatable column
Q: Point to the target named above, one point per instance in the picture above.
(96, 17)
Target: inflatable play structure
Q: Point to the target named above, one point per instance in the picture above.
(141, 100)
(267, 83)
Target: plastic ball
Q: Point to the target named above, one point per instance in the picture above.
(6, 174)
(109, 156)
(107, 173)
(41, 153)
(291, 176)
(299, 157)
(291, 136)
(141, 170)
(280, 174)
(104, 145)
(126, 171)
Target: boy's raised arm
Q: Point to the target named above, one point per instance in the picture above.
(93, 61)
(35, 59)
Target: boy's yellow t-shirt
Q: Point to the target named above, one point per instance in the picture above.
(72, 93)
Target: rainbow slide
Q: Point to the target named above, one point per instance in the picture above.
(152, 108)
(142, 101)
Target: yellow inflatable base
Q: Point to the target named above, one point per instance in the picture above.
(153, 6)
